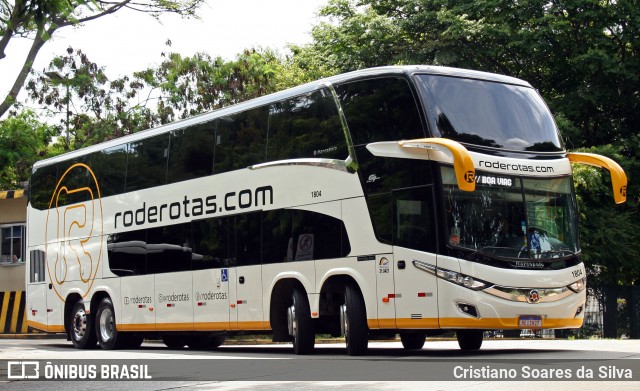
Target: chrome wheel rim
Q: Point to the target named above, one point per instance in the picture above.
(106, 325)
(79, 324)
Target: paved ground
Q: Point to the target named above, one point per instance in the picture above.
(386, 367)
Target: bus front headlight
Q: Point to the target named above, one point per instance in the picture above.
(579, 285)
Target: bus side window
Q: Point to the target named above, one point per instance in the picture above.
(43, 183)
(306, 126)
(248, 230)
(240, 140)
(413, 223)
(212, 243)
(110, 167)
(380, 109)
(147, 162)
(127, 253)
(169, 248)
(276, 235)
(318, 236)
(191, 152)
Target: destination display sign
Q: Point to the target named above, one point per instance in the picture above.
(494, 180)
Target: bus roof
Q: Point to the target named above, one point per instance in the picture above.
(291, 92)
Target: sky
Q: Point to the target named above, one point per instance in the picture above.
(128, 41)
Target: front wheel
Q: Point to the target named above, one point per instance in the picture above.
(469, 339)
(108, 336)
(300, 323)
(413, 341)
(81, 327)
(353, 320)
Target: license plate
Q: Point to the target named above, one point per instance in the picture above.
(530, 321)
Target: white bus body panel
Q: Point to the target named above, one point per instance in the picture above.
(174, 292)
(211, 299)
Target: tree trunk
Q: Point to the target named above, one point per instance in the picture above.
(610, 313)
(11, 97)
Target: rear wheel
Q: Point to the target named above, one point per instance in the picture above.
(353, 319)
(300, 323)
(81, 327)
(108, 336)
(413, 341)
(469, 339)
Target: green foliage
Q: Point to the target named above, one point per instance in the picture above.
(582, 55)
(40, 19)
(192, 85)
(76, 92)
(610, 233)
(23, 140)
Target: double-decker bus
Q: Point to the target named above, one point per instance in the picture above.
(407, 200)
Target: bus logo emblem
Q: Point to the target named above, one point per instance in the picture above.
(75, 210)
(470, 176)
(534, 296)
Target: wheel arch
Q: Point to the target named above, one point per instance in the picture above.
(281, 298)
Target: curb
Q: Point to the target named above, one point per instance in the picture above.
(33, 336)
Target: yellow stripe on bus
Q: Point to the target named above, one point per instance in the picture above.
(197, 326)
(44, 327)
(453, 323)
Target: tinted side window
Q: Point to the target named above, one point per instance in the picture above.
(306, 126)
(380, 110)
(277, 236)
(248, 239)
(191, 152)
(147, 163)
(413, 223)
(169, 248)
(212, 243)
(43, 183)
(110, 167)
(127, 253)
(241, 140)
(77, 185)
(317, 236)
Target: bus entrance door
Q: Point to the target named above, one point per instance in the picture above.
(416, 295)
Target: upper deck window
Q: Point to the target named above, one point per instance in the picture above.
(490, 114)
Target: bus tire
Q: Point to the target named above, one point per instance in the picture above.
(133, 341)
(106, 332)
(81, 330)
(353, 315)
(217, 341)
(469, 339)
(174, 341)
(300, 323)
(413, 341)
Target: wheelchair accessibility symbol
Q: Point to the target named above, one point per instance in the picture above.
(224, 275)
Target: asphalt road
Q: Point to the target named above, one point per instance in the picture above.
(526, 364)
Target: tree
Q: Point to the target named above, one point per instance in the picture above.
(582, 55)
(90, 107)
(192, 85)
(23, 140)
(40, 19)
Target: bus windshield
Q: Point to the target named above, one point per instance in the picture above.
(512, 217)
(490, 114)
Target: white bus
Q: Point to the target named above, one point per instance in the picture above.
(398, 200)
